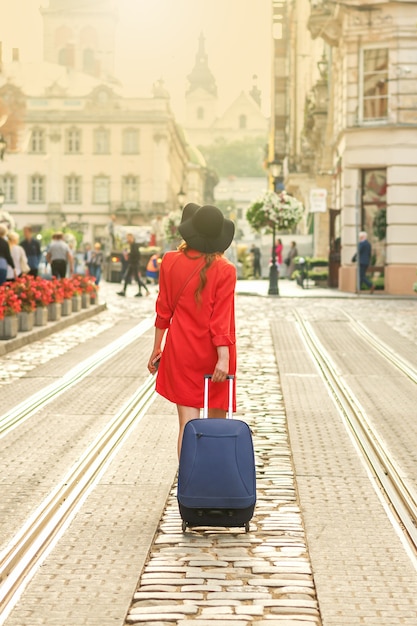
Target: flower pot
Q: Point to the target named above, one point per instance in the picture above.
(94, 298)
(9, 327)
(41, 316)
(85, 300)
(66, 307)
(54, 311)
(26, 320)
(76, 303)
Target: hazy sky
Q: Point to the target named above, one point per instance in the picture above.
(159, 39)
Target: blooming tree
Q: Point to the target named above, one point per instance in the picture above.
(279, 209)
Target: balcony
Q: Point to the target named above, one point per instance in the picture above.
(323, 21)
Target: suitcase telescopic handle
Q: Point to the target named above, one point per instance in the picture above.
(208, 377)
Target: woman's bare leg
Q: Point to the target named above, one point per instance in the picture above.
(185, 414)
(216, 413)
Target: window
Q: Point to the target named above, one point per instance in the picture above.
(37, 188)
(37, 141)
(200, 113)
(73, 189)
(73, 141)
(130, 188)
(8, 186)
(130, 141)
(101, 190)
(101, 141)
(374, 84)
(242, 121)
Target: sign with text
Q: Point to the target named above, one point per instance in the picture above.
(318, 200)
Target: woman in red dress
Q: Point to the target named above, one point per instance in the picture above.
(196, 305)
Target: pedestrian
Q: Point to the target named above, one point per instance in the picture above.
(33, 250)
(256, 261)
(278, 253)
(365, 253)
(96, 262)
(6, 259)
(290, 259)
(19, 257)
(195, 305)
(133, 268)
(152, 268)
(111, 229)
(59, 256)
(87, 257)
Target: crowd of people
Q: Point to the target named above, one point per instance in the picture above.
(289, 260)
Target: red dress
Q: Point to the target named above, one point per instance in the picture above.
(195, 330)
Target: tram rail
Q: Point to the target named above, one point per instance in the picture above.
(400, 502)
(32, 542)
(37, 401)
(399, 362)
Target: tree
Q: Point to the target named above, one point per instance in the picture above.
(236, 158)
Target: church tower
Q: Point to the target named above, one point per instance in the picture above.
(80, 35)
(201, 96)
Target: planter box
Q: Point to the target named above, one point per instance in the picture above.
(66, 307)
(85, 300)
(26, 321)
(76, 304)
(54, 311)
(9, 327)
(41, 316)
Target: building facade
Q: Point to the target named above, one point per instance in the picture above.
(78, 151)
(358, 135)
(242, 119)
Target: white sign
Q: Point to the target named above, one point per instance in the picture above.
(318, 201)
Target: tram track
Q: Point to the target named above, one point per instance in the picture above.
(382, 348)
(37, 401)
(399, 501)
(20, 559)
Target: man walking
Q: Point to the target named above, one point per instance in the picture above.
(33, 250)
(365, 252)
(59, 256)
(133, 268)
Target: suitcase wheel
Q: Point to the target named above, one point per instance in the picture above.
(247, 526)
(184, 526)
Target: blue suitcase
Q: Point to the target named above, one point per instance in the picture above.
(216, 478)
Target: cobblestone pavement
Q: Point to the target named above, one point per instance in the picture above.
(225, 574)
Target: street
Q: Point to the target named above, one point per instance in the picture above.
(324, 546)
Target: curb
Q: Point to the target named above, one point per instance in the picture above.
(25, 338)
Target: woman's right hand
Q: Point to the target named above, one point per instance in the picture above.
(155, 356)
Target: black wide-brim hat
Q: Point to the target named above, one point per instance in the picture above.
(206, 229)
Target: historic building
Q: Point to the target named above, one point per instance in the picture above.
(77, 149)
(352, 128)
(204, 124)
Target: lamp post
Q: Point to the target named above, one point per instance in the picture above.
(181, 197)
(3, 146)
(274, 168)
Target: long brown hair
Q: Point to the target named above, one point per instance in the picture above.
(209, 260)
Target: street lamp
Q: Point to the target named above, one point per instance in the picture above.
(3, 146)
(274, 168)
(181, 197)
